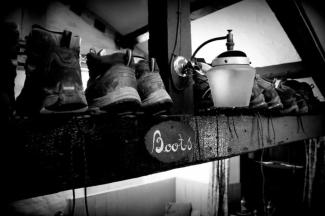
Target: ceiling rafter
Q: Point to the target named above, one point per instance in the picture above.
(198, 8)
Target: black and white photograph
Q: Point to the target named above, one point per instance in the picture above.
(162, 107)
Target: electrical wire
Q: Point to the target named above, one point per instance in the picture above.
(83, 141)
(72, 179)
(234, 126)
(306, 171)
(85, 178)
(197, 136)
(177, 32)
(73, 201)
(172, 56)
(229, 128)
(218, 138)
(86, 200)
(261, 144)
(274, 136)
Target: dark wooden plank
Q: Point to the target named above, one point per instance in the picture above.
(242, 134)
(296, 24)
(55, 153)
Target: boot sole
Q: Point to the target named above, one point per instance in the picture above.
(48, 111)
(117, 98)
(291, 109)
(77, 105)
(275, 103)
(157, 101)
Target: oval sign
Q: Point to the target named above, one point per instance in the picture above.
(170, 141)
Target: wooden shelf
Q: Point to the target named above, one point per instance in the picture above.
(52, 153)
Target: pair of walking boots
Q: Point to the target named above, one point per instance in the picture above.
(264, 95)
(297, 97)
(288, 97)
(54, 85)
(53, 81)
(116, 84)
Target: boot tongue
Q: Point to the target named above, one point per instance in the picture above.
(153, 65)
(115, 58)
(92, 63)
(98, 65)
(66, 38)
(142, 67)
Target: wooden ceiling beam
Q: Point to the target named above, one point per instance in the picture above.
(302, 35)
(198, 9)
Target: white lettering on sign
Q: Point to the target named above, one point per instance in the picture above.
(159, 146)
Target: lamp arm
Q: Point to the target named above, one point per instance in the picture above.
(230, 42)
(205, 43)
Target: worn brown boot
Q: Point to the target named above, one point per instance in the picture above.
(257, 100)
(112, 85)
(271, 96)
(151, 87)
(306, 100)
(202, 93)
(53, 76)
(288, 99)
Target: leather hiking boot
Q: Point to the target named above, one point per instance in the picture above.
(288, 99)
(112, 85)
(151, 87)
(271, 96)
(202, 92)
(53, 76)
(8, 58)
(257, 100)
(306, 100)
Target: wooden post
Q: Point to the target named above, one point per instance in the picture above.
(170, 35)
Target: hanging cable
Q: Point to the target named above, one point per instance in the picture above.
(260, 136)
(172, 56)
(73, 141)
(177, 32)
(218, 138)
(229, 128)
(306, 171)
(83, 142)
(72, 180)
(197, 136)
(85, 178)
(274, 136)
(234, 126)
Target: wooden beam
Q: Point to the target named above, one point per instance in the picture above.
(170, 36)
(130, 40)
(78, 151)
(303, 37)
(202, 8)
(198, 9)
(292, 70)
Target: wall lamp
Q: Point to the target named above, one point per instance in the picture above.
(230, 75)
